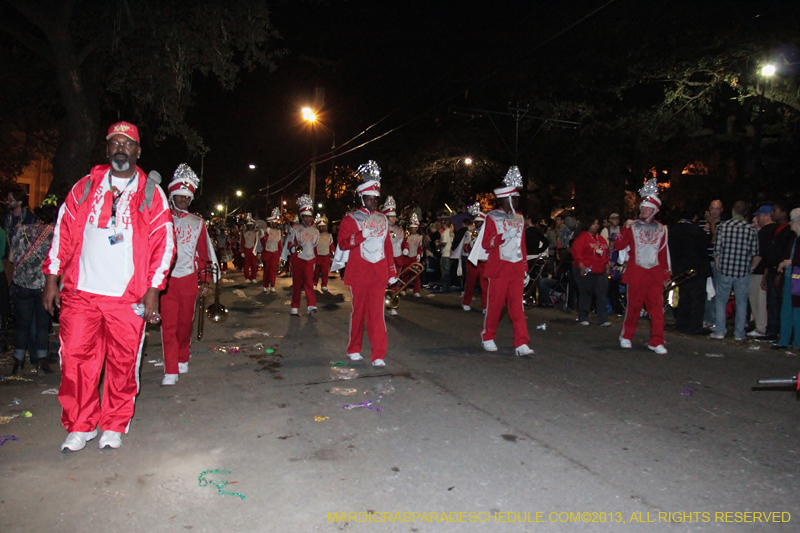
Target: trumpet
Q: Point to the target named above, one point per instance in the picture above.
(298, 248)
(474, 233)
(392, 297)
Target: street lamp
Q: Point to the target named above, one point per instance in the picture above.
(311, 117)
(251, 166)
(239, 193)
(468, 161)
(768, 70)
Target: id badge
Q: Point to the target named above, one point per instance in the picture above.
(116, 238)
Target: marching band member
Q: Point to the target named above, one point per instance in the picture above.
(301, 243)
(503, 248)
(178, 300)
(648, 271)
(412, 250)
(324, 253)
(396, 235)
(365, 246)
(271, 246)
(475, 273)
(248, 243)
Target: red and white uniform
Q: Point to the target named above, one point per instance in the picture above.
(302, 262)
(475, 274)
(248, 243)
(398, 238)
(271, 247)
(323, 260)
(503, 246)
(370, 265)
(647, 269)
(98, 322)
(178, 301)
(413, 244)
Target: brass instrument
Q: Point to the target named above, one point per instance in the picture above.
(393, 234)
(392, 298)
(474, 233)
(211, 269)
(298, 248)
(679, 279)
(217, 312)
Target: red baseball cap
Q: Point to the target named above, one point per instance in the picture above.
(124, 128)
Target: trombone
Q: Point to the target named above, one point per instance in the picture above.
(216, 312)
(392, 298)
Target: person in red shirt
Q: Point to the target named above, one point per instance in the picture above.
(412, 251)
(364, 245)
(112, 247)
(590, 270)
(503, 248)
(396, 235)
(301, 248)
(475, 273)
(648, 270)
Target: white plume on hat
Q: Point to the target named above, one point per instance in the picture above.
(414, 221)
(306, 204)
(511, 182)
(370, 174)
(649, 194)
(276, 215)
(184, 181)
(390, 207)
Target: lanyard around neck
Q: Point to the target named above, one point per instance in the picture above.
(116, 197)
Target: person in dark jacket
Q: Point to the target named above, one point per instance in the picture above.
(778, 251)
(688, 248)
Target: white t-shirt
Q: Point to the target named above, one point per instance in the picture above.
(105, 268)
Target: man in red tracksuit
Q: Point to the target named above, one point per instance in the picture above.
(271, 247)
(364, 237)
(112, 246)
(648, 269)
(179, 300)
(475, 273)
(503, 246)
(301, 243)
(324, 249)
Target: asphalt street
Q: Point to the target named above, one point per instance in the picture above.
(582, 437)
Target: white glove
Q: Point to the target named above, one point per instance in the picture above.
(365, 233)
(405, 252)
(526, 280)
(242, 255)
(392, 280)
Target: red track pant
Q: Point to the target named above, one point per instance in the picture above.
(650, 297)
(474, 274)
(270, 260)
(250, 264)
(505, 291)
(405, 262)
(302, 274)
(95, 330)
(321, 269)
(367, 304)
(178, 303)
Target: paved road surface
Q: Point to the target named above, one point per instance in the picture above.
(583, 427)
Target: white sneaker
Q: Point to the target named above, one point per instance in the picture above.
(264, 289)
(523, 350)
(170, 379)
(466, 307)
(489, 346)
(76, 441)
(756, 334)
(624, 343)
(717, 336)
(312, 309)
(393, 312)
(111, 439)
(294, 311)
(660, 350)
(605, 324)
(355, 356)
(324, 289)
(272, 289)
(183, 368)
(416, 295)
(379, 362)
(584, 323)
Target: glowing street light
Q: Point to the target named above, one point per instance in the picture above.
(251, 166)
(220, 207)
(238, 193)
(468, 161)
(319, 206)
(768, 70)
(309, 115)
